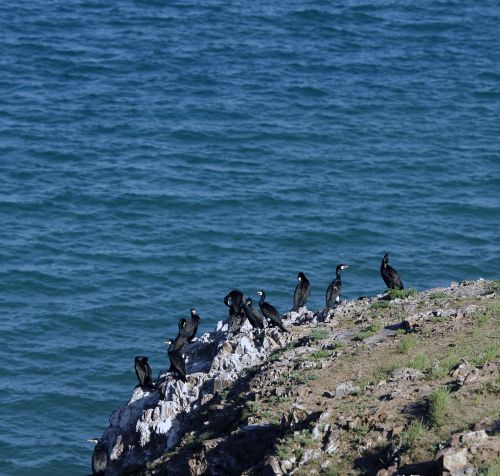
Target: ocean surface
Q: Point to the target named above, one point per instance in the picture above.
(155, 155)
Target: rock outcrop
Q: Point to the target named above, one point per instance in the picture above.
(153, 421)
(345, 391)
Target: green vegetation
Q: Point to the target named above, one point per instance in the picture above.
(318, 334)
(492, 312)
(278, 353)
(406, 344)
(490, 353)
(402, 293)
(439, 401)
(494, 287)
(319, 354)
(493, 468)
(413, 434)
(438, 295)
(294, 444)
(330, 471)
(492, 388)
(445, 365)
(421, 362)
(369, 331)
(380, 305)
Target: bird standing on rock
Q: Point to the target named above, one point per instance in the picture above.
(333, 291)
(189, 327)
(390, 275)
(234, 300)
(270, 312)
(100, 457)
(177, 363)
(143, 371)
(254, 316)
(302, 292)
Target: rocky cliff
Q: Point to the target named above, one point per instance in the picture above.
(404, 383)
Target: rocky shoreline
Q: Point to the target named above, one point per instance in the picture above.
(346, 392)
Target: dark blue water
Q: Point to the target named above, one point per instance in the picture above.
(155, 155)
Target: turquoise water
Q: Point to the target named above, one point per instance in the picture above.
(155, 155)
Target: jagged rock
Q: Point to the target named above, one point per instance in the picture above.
(331, 441)
(272, 463)
(452, 459)
(346, 388)
(406, 373)
(291, 419)
(309, 455)
(474, 437)
(153, 421)
(464, 373)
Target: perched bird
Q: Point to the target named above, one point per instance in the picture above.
(143, 371)
(390, 275)
(177, 364)
(254, 316)
(302, 292)
(334, 289)
(189, 328)
(234, 300)
(270, 312)
(100, 457)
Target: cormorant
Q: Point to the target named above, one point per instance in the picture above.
(254, 316)
(302, 292)
(177, 364)
(100, 457)
(234, 300)
(270, 312)
(333, 291)
(143, 371)
(390, 275)
(189, 328)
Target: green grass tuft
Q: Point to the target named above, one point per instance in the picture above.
(445, 365)
(380, 305)
(406, 344)
(439, 400)
(369, 331)
(402, 293)
(318, 334)
(421, 362)
(319, 354)
(493, 468)
(493, 287)
(490, 353)
(413, 434)
(438, 295)
(294, 444)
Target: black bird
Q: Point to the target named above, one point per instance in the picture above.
(333, 291)
(270, 312)
(177, 364)
(254, 316)
(234, 300)
(143, 371)
(189, 328)
(100, 457)
(302, 292)
(390, 275)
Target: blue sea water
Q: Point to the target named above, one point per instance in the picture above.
(155, 155)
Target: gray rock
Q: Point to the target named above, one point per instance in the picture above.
(452, 459)
(346, 388)
(407, 373)
(331, 442)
